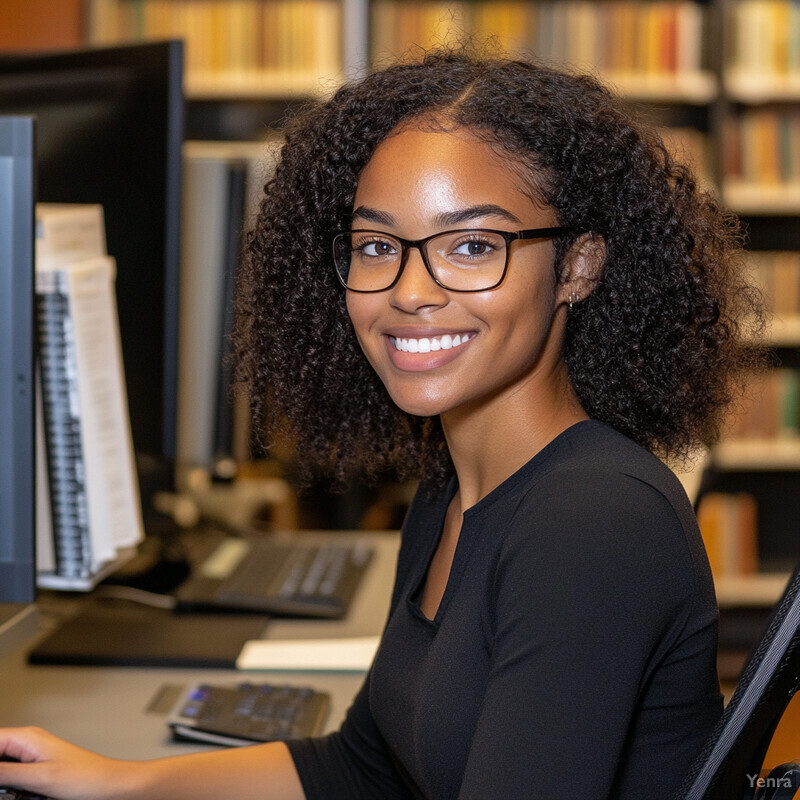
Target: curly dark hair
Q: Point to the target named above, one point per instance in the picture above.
(654, 350)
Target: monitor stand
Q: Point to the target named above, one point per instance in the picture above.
(18, 623)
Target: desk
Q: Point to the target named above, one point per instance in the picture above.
(120, 712)
(18, 623)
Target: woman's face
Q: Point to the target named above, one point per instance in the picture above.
(422, 182)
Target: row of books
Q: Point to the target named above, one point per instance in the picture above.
(729, 526)
(239, 37)
(690, 147)
(612, 36)
(777, 274)
(765, 37)
(289, 39)
(762, 146)
(89, 513)
(771, 408)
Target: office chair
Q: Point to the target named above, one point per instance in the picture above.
(729, 766)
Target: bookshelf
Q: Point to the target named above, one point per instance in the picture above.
(761, 84)
(236, 48)
(757, 590)
(649, 49)
(280, 48)
(737, 61)
(758, 130)
(760, 450)
(723, 75)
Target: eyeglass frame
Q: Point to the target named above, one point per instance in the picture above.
(419, 245)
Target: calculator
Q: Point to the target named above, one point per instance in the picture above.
(246, 713)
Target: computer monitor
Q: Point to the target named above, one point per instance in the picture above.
(109, 127)
(17, 419)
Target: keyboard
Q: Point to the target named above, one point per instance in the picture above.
(277, 577)
(247, 713)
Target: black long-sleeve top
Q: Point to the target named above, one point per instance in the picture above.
(573, 654)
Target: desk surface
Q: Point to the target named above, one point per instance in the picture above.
(121, 712)
(18, 622)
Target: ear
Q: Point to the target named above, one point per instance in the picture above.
(581, 269)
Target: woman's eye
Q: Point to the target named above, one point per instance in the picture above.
(473, 248)
(375, 249)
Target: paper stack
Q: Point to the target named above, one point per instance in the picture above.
(94, 516)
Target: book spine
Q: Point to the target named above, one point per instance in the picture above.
(729, 527)
(62, 423)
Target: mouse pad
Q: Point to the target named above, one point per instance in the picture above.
(121, 633)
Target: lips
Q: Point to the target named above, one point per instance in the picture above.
(420, 350)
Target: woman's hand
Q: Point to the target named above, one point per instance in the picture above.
(50, 766)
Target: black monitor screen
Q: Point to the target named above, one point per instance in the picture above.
(109, 131)
(17, 472)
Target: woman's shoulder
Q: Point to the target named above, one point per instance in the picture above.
(592, 454)
(604, 502)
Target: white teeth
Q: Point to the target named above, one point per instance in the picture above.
(432, 344)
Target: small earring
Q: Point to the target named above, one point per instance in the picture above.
(573, 298)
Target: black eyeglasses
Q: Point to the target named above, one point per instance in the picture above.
(473, 260)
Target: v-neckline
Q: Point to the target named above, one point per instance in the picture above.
(465, 538)
(444, 533)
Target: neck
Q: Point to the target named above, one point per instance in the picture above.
(490, 442)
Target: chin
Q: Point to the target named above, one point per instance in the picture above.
(419, 406)
(426, 407)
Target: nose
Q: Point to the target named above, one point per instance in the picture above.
(415, 288)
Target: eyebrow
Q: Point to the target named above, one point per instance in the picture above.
(373, 215)
(446, 218)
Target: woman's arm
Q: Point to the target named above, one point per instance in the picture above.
(603, 679)
(53, 767)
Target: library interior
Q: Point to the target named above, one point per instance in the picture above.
(137, 506)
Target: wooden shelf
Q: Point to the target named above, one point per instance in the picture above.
(754, 88)
(780, 332)
(694, 88)
(258, 85)
(780, 199)
(762, 589)
(697, 88)
(757, 454)
(784, 332)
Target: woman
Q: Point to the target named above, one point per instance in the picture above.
(544, 300)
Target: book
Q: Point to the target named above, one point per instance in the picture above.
(729, 527)
(95, 512)
(68, 232)
(235, 45)
(771, 408)
(762, 147)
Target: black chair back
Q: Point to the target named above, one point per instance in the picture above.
(729, 766)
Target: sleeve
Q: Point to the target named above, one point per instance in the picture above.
(593, 587)
(350, 764)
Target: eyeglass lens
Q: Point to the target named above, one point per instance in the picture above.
(468, 260)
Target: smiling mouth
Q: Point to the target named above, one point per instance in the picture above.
(430, 344)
